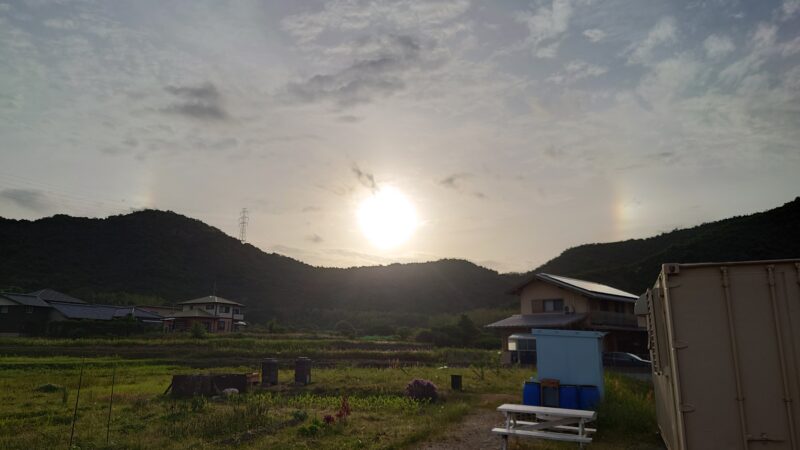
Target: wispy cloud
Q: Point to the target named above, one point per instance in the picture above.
(314, 238)
(545, 26)
(197, 102)
(365, 178)
(30, 199)
(576, 71)
(664, 32)
(717, 46)
(594, 34)
(364, 79)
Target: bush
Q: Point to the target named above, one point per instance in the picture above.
(49, 387)
(198, 331)
(345, 329)
(404, 333)
(419, 389)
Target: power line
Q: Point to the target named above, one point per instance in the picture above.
(243, 218)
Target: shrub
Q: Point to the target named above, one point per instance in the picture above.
(345, 329)
(300, 416)
(198, 331)
(49, 387)
(311, 429)
(419, 389)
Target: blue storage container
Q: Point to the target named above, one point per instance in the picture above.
(568, 396)
(531, 394)
(588, 397)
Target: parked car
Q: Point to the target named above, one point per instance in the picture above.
(622, 359)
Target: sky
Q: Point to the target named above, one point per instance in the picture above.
(514, 129)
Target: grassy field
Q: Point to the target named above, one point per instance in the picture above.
(247, 349)
(34, 415)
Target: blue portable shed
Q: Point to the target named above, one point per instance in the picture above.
(571, 357)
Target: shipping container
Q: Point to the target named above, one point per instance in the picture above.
(724, 339)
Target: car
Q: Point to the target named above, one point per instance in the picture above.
(622, 359)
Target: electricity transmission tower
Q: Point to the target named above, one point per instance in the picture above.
(243, 218)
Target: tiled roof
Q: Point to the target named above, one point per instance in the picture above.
(210, 299)
(50, 295)
(101, 312)
(26, 299)
(545, 320)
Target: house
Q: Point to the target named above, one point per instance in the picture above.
(552, 301)
(215, 314)
(23, 314)
(34, 313)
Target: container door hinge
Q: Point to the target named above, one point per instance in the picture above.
(687, 408)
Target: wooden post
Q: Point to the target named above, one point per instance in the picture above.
(111, 402)
(75, 410)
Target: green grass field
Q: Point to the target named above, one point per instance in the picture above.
(33, 416)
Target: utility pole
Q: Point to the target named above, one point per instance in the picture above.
(243, 218)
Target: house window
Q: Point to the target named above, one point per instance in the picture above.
(226, 309)
(236, 311)
(209, 307)
(555, 305)
(29, 309)
(3, 309)
(221, 325)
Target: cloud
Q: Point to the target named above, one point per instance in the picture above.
(575, 71)
(353, 16)
(718, 46)
(664, 32)
(31, 199)
(60, 24)
(348, 118)
(365, 178)
(594, 34)
(545, 25)
(790, 8)
(454, 181)
(380, 74)
(198, 102)
(315, 238)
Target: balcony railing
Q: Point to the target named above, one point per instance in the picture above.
(614, 319)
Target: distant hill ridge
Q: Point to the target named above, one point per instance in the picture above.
(173, 257)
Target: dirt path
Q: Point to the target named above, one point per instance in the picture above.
(475, 431)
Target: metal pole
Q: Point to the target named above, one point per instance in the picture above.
(75, 410)
(111, 402)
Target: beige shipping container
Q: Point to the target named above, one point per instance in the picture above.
(724, 340)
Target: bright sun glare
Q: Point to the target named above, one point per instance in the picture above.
(387, 218)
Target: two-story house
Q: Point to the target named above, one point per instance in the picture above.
(215, 314)
(552, 301)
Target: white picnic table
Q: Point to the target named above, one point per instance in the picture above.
(557, 424)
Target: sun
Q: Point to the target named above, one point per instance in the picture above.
(387, 218)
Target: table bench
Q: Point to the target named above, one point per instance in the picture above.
(556, 424)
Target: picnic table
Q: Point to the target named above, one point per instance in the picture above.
(557, 424)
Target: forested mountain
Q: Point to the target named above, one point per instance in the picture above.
(163, 256)
(632, 265)
(172, 257)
